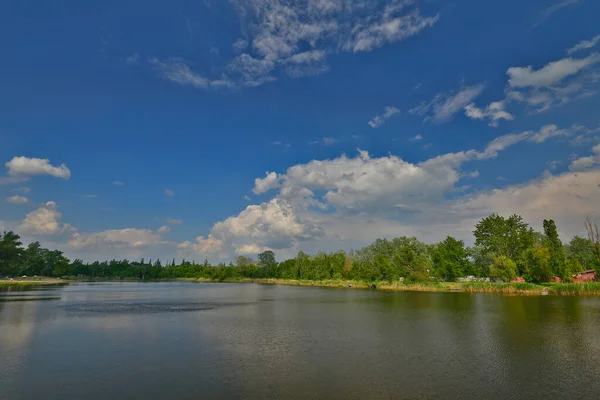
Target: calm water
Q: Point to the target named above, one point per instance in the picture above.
(234, 341)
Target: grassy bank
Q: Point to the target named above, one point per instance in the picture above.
(516, 288)
(31, 282)
(521, 288)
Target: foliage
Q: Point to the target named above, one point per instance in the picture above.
(450, 259)
(504, 268)
(504, 248)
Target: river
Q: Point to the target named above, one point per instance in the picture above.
(249, 341)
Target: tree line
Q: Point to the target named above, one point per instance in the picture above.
(504, 248)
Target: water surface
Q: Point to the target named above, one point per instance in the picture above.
(233, 341)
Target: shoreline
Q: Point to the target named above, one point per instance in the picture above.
(510, 288)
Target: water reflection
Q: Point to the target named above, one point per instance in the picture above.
(131, 340)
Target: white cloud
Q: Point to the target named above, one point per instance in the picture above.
(118, 183)
(417, 137)
(163, 229)
(584, 45)
(547, 132)
(380, 119)
(327, 141)
(119, 239)
(495, 112)
(169, 192)
(551, 74)
(246, 197)
(17, 200)
(388, 28)
(176, 70)
(343, 202)
(133, 59)
(22, 189)
(583, 163)
(207, 247)
(307, 57)
(46, 220)
(22, 168)
(173, 221)
(296, 38)
(240, 45)
(552, 9)
(262, 185)
(555, 84)
(444, 105)
(251, 249)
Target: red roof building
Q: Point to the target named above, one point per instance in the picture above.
(585, 276)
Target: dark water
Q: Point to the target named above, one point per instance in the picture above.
(243, 341)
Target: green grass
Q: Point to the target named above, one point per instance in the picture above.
(581, 289)
(517, 288)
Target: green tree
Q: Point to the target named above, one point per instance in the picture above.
(242, 261)
(450, 259)
(504, 238)
(10, 253)
(504, 268)
(580, 251)
(538, 264)
(557, 262)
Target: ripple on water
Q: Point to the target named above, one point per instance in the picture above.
(111, 308)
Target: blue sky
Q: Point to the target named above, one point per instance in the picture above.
(210, 129)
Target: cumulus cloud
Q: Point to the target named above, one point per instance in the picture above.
(17, 200)
(349, 201)
(262, 185)
(46, 220)
(583, 163)
(445, 105)
(129, 238)
(163, 229)
(380, 119)
(584, 45)
(274, 225)
(21, 169)
(494, 112)
(417, 137)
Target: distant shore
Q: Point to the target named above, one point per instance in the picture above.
(516, 288)
(33, 281)
(510, 288)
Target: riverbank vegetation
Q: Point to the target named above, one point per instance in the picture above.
(505, 249)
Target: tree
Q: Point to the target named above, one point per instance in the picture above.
(557, 260)
(538, 266)
(450, 259)
(505, 238)
(580, 251)
(266, 259)
(242, 261)
(10, 252)
(594, 235)
(504, 268)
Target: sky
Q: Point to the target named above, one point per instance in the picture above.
(211, 129)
